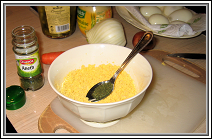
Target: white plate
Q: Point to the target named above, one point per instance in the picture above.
(122, 11)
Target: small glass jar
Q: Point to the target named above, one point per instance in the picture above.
(88, 16)
(57, 21)
(26, 49)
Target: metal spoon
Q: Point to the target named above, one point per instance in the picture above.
(96, 93)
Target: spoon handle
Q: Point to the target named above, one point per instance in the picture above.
(143, 42)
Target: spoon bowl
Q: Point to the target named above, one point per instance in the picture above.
(103, 89)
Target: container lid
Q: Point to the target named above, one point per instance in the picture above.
(15, 97)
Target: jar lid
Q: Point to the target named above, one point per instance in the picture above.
(15, 97)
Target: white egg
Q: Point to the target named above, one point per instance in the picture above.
(177, 22)
(182, 15)
(158, 19)
(147, 11)
(169, 9)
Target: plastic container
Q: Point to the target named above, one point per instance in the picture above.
(88, 16)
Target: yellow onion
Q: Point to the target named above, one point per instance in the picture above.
(108, 31)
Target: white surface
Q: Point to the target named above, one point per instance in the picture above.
(173, 103)
(100, 125)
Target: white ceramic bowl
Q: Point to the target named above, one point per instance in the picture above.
(139, 69)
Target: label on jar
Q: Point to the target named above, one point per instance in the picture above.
(28, 66)
(58, 19)
(87, 17)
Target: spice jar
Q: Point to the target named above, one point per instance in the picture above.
(88, 16)
(57, 21)
(26, 49)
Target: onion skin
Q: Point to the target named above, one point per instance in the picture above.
(107, 31)
(138, 36)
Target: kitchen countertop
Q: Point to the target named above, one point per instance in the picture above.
(25, 119)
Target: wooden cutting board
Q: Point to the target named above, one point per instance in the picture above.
(173, 103)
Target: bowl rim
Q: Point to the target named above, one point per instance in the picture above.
(98, 104)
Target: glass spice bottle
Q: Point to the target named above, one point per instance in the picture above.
(26, 49)
(57, 21)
